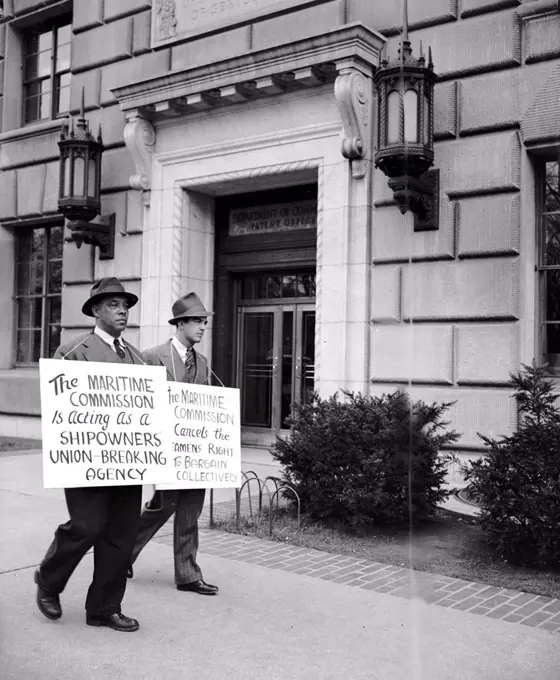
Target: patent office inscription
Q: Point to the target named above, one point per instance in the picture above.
(174, 20)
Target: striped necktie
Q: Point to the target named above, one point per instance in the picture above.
(189, 360)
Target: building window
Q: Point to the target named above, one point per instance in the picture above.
(38, 292)
(549, 263)
(46, 71)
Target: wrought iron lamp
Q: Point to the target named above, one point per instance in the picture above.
(79, 197)
(405, 143)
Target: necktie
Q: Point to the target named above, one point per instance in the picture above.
(119, 349)
(189, 360)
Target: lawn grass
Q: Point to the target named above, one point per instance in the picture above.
(18, 444)
(449, 544)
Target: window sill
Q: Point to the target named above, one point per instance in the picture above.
(32, 130)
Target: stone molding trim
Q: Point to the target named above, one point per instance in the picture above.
(140, 138)
(537, 7)
(305, 63)
(354, 93)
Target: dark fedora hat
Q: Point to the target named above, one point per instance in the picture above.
(190, 305)
(107, 288)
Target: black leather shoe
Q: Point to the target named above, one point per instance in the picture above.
(49, 605)
(199, 587)
(130, 572)
(114, 621)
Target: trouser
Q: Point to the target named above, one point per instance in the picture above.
(187, 505)
(106, 518)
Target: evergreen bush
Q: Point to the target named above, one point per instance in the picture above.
(517, 481)
(367, 460)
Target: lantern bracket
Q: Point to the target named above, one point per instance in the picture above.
(353, 93)
(420, 196)
(100, 233)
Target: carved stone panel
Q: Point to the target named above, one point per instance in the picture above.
(174, 20)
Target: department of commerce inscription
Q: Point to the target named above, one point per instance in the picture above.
(174, 20)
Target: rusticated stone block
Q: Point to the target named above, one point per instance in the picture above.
(127, 72)
(30, 201)
(445, 110)
(50, 194)
(114, 9)
(491, 412)
(541, 121)
(499, 100)
(112, 121)
(488, 43)
(386, 293)
(141, 32)
(542, 38)
(90, 82)
(471, 289)
(417, 352)
(386, 15)
(117, 169)
(394, 239)
(212, 48)
(295, 25)
(471, 7)
(489, 225)
(22, 6)
(30, 149)
(102, 45)
(78, 264)
(484, 164)
(487, 353)
(87, 15)
(8, 194)
(2, 41)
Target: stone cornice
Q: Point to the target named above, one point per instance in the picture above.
(301, 64)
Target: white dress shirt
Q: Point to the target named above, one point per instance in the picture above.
(181, 349)
(108, 339)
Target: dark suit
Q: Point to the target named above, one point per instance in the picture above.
(104, 517)
(187, 504)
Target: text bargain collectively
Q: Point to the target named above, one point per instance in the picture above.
(109, 424)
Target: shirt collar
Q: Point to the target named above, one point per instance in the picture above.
(181, 349)
(108, 339)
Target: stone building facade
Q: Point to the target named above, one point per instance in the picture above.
(222, 123)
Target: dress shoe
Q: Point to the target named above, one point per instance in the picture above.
(115, 621)
(49, 605)
(199, 587)
(130, 572)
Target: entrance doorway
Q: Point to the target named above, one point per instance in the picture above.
(276, 348)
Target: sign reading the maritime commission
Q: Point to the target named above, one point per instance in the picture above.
(104, 424)
(177, 19)
(206, 439)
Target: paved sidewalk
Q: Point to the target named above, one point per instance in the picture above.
(283, 612)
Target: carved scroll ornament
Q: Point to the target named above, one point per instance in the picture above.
(140, 137)
(353, 92)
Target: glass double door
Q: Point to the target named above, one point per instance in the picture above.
(276, 362)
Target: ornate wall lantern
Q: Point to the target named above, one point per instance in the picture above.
(405, 143)
(79, 197)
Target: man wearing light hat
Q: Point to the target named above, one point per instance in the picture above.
(183, 364)
(104, 517)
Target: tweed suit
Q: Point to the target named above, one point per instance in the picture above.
(187, 504)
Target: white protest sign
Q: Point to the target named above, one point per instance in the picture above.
(104, 424)
(206, 437)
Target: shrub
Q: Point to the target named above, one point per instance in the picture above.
(367, 460)
(517, 481)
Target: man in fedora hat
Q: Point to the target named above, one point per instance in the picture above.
(183, 364)
(104, 517)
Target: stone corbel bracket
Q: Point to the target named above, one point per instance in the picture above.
(140, 138)
(354, 94)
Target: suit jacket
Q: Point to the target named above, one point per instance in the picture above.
(166, 355)
(90, 347)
